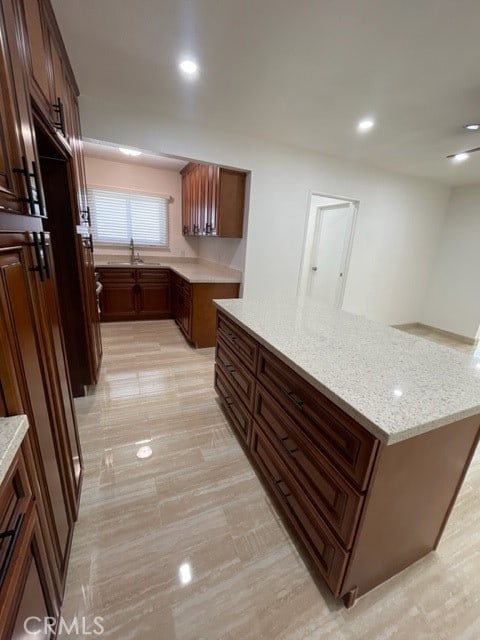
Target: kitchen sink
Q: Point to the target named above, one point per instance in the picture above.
(135, 264)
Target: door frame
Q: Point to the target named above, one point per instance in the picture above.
(309, 235)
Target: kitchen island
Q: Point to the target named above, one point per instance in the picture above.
(363, 433)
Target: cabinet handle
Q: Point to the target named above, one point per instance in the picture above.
(13, 535)
(46, 261)
(293, 398)
(283, 441)
(230, 368)
(38, 185)
(36, 244)
(60, 111)
(34, 196)
(282, 494)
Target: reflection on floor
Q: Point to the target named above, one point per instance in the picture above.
(177, 539)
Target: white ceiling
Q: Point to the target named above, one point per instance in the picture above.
(302, 72)
(111, 152)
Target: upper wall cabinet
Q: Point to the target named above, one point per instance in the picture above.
(47, 63)
(213, 201)
(20, 188)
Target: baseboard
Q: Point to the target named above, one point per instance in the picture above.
(448, 334)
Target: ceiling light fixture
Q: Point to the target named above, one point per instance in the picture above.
(474, 126)
(460, 157)
(189, 67)
(365, 125)
(130, 152)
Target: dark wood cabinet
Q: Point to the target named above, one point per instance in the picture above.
(26, 589)
(194, 311)
(20, 187)
(213, 201)
(35, 382)
(47, 65)
(134, 293)
(362, 510)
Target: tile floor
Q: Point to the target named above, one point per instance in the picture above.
(177, 539)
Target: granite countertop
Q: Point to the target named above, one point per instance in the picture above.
(12, 432)
(192, 272)
(394, 384)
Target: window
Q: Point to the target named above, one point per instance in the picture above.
(118, 216)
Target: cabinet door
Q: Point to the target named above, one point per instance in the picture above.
(33, 602)
(60, 89)
(154, 301)
(37, 49)
(186, 204)
(16, 132)
(28, 367)
(67, 430)
(26, 587)
(118, 301)
(212, 192)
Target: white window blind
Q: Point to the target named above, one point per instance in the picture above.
(117, 216)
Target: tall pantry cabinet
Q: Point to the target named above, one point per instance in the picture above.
(50, 341)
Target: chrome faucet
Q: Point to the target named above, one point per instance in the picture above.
(134, 257)
(132, 251)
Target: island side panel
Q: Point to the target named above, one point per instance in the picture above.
(413, 489)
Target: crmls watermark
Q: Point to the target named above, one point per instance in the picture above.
(74, 627)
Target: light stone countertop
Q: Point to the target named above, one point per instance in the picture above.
(192, 272)
(394, 384)
(12, 432)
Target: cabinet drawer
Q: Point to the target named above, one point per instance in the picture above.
(153, 275)
(243, 345)
(15, 499)
(326, 552)
(337, 501)
(235, 409)
(116, 275)
(239, 377)
(346, 443)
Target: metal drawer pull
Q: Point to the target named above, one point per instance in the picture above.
(293, 398)
(13, 535)
(230, 368)
(284, 495)
(283, 442)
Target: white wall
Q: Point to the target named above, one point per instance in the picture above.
(452, 301)
(398, 222)
(125, 175)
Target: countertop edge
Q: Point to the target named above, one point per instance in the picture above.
(12, 433)
(208, 279)
(376, 430)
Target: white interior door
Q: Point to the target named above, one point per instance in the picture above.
(330, 253)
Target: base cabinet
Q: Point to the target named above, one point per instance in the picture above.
(134, 294)
(27, 596)
(362, 510)
(194, 311)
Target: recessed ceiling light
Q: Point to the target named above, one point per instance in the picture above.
(460, 157)
(130, 152)
(189, 67)
(475, 126)
(365, 125)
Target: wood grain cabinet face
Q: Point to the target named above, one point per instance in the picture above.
(15, 125)
(326, 552)
(29, 339)
(344, 442)
(335, 498)
(26, 589)
(134, 293)
(213, 201)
